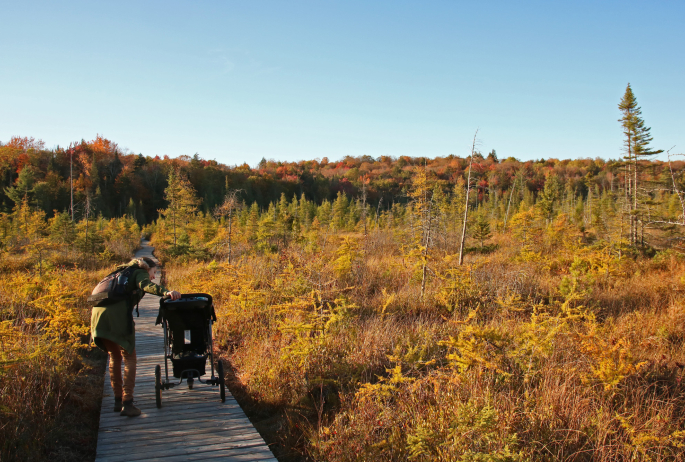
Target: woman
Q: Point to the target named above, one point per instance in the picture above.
(113, 330)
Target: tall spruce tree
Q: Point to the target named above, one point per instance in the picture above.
(182, 201)
(636, 147)
(549, 196)
(481, 227)
(421, 195)
(24, 186)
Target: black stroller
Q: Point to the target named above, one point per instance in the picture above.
(187, 324)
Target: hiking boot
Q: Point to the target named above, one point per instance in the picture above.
(117, 404)
(129, 409)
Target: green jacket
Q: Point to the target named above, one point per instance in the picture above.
(114, 322)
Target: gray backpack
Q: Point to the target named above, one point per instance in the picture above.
(113, 288)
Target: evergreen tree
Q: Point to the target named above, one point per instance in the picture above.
(323, 213)
(421, 195)
(339, 211)
(442, 212)
(62, 229)
(253, 220)
(284, 219)
(549, 196)
(304, 212)
(131, 208)
(140, 213)
(23, 187)
(265, 231)
(481, 227)
(636, 147)
(182, 201)
(457, 204)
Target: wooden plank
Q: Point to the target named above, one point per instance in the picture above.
(164, 440)
(191, 425)
(171, 397)
(240, 443)
(180, 404)
(113, 434)
(199, 431)
(166, 421)
(237, 439)
(224, 455)
(234, 436)
(175, 418)
(245, 457)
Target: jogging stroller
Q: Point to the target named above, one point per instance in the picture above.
(187, 324)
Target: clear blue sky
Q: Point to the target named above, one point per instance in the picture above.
(292, 80)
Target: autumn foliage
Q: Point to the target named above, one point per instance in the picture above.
(48, 268)
(354, 334)
(352, 331)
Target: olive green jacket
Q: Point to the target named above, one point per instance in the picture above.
(114, 322)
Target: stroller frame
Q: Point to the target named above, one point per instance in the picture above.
(189, 374)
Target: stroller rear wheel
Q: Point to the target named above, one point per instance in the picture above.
(222, 384)
(158, 386)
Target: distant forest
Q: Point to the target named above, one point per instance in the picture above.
(117, 183)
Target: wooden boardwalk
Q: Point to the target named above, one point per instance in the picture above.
(191, 425)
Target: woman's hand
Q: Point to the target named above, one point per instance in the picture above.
(174, 295)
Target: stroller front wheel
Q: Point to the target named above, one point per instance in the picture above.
(222, 384)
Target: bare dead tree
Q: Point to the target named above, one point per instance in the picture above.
(466, 207)
(227, 209)
(675, 186)
(656, 221)
(429, 218)
(511, 194)
(378, 209)
(87, 211)
(365, 181)
(71, 181)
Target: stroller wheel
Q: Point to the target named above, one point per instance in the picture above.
(158, 386)
(222, 384)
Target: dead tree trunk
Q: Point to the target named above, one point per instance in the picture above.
(506, 216)
(466, 206)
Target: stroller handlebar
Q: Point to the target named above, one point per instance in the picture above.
(185, 297)
(166, 302)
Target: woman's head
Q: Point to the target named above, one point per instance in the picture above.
(145, 263)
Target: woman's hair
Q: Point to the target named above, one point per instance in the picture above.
(144, 262)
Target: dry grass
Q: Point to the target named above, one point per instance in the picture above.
(50, 381)
(568, 354)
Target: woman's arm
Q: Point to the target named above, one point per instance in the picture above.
(144, 283)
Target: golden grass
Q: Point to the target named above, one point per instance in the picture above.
(556, 352)
(50, 381)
